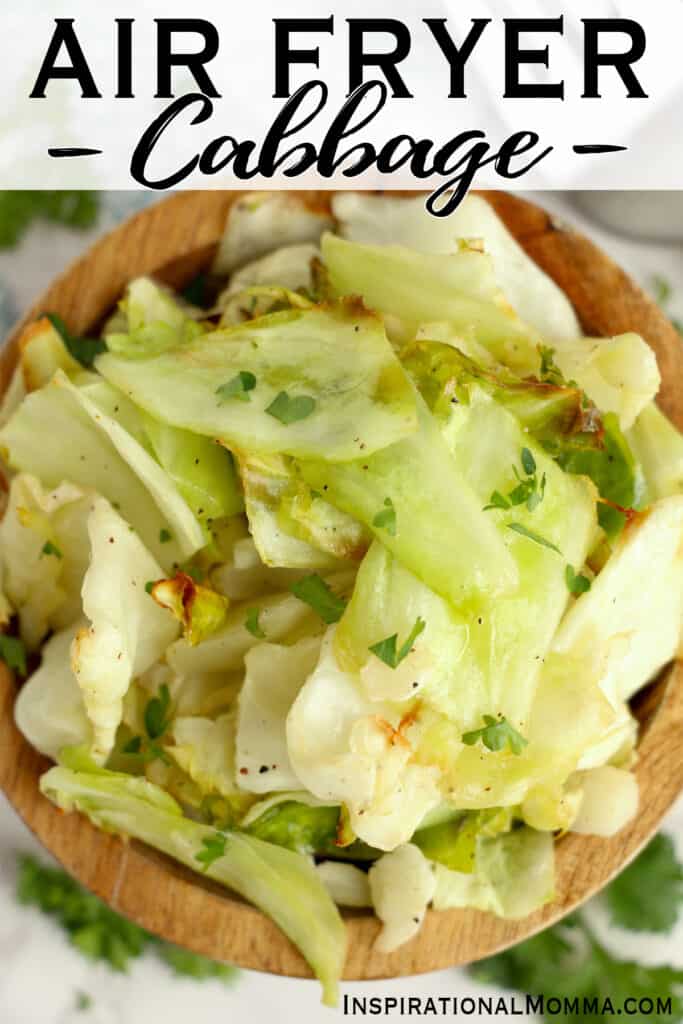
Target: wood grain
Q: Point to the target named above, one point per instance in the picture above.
(174, 240)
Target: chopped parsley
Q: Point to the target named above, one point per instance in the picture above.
(649, 893)
(165, 536)
(19, 208)
(238, 388)
(523, 531)
(529, 491)
(288, 409)
(51, 549)
(313, 591)
(83, 1001)
(550, 372)
(386, 518)
(214, 849)
(576, 582)
(251, 623)
(157, 718)
(97, 931)
(496, 734)
(390, 653)
(13, 653)
(149, 586)
(84, 350)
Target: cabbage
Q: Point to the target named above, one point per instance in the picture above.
(619, 374)
(259, 222)
(200, 610)
(347, 749)
(13, 396)
(402, 885)
(128, 631)
(292, 528)
(460, 553)
(274, 676)
(288, 267)
(459, 288)
(347, 885)
(609, 800)
(155, 320)
(242, 575)
(454, 842)
(202, 471)
(389, 220)
(658, 446)
(205, 750)
(301, 823)
(42, 352)
(54, 435)
(49, 709)
(514, 876)
(43, 552)
(284, 885)
(337, 358)
(633, 612)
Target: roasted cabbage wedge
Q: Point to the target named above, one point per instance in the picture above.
(338, 589)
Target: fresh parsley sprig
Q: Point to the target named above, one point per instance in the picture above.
(315, 592)
(157, 718)
(390, 653)
(529, 491)
(496, 734)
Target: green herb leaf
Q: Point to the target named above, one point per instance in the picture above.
(187, 964)
(528, 462)
(497, 500)
(157, 718)
(576, 583)
(386, 518)
(149, 586)
(251, 623)
(648, 894)
(550, 372)
(84, 350)
(238, 388)
(51, 549)
(387, 650)
(20, 207)
(528, 490)
(165, 536)
(214, 849)
(313, 590)
(289, 410)
(496, 734)
(133, 746)
(531, 535)
(83, 1001)
(13, 653)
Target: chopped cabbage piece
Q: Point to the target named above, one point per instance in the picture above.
(42, 352)
(349, 393)
(619, 374)
(205, 749)
(128, 632)
(390, 220)
(259, 222)
(288, 267)
(514, 876)
(658, 446)
(632, 614)
(55, 437)
(459, 288)
(274, 676)
(454, 842)
(44, 555)
(609, 800)
(155, 320)
(284, 885)
(402, 884)
(49, 709)
(200, 610)
(347, 749)
(347, 885)
(460, 554)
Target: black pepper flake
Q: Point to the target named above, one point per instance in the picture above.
(416, 920)
(263, 768)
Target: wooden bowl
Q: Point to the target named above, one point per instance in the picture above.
(174, 240)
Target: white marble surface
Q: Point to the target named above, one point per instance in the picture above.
(40, 974)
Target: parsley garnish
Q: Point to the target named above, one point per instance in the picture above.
(98, 932)
(313, 590)
(20, 207)
(496, 734)
(251, 623)
(149, 586)
(13, 653)
(83, 1001)
(386, 650)
(214, 849)
(647, 895)
(289, 410)
(51, 549)
(535, 537)
(576, 583)
(529, 490)
(84, 350)
(165, 536)
(157, 718)
(550, 372)
(238, 388)
(386, 518)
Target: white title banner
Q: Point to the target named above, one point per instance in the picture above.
(529, 94)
